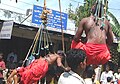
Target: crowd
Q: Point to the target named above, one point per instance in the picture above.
(82, 63)
(78, 73)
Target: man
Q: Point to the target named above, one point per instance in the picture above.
(36, 70)
(107, 73)
(89, 75)
(76, 60)
(117, 76)
(11, 64)
(98, 34)
(2, 67)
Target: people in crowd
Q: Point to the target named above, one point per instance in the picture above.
(89, 75)
(76, 60)
(109, 80)
(2, 67)
(13, 53)
(117, 76)
(11, 64)
(105, 74)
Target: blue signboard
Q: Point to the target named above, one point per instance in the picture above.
(53, 18)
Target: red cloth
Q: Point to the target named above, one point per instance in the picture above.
(2, 65)
(96, 53)
(35, 71)
(118, 81)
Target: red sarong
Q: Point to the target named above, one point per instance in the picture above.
(96, 53)
(32, 73)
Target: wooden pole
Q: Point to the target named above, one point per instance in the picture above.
(61, 27)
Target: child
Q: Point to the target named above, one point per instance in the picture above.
(36, 70)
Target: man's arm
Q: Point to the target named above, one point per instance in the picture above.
(109, 35)
(59, 64)
(80, 30)
(14, 72)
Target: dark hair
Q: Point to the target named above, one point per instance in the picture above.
(74, 57)
(61, 53)
(109, 79)
(89, 71)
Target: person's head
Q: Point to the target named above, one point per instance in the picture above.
(11, 59)
(51, 58)
(76, 58)
(109, 79)
(119, 70)
(107, 68)
(1, 56)
(61, 53)
(89, 72)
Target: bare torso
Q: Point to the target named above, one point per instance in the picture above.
(93, 32)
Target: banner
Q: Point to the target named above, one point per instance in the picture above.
(54, 20)
(6, 30)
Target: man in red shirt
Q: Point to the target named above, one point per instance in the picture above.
(2, 67)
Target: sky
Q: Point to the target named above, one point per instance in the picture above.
(23, 5)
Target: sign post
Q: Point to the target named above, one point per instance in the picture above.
(6, 30)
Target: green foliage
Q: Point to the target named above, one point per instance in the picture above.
(80, 12)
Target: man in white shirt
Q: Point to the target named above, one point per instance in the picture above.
(117, 74)
(107, 73)
(76, 60)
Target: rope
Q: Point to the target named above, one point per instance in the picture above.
(100, 13)
(61, 26)
(36, 41)
(40, 41)
(62, 32)
(30, 47)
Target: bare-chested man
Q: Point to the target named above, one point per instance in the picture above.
(97, 38)
(36, 70)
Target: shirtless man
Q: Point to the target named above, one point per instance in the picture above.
(36, 70)
(97, 38)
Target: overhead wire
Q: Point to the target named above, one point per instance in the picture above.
(32, 4)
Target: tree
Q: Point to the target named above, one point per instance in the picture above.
(115, 24)
(81, 11)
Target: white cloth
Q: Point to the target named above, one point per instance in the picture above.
(104, 76)
(88, 81)
(117, 75)
(70, 78)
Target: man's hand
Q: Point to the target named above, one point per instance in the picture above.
(67, 69)
(8, 81)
